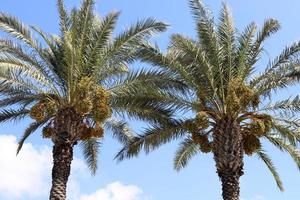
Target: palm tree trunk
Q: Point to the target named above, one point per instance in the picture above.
(67, 126)
(228, 156)
(230, 185)
(62, 158)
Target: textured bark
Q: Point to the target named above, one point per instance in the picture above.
(67, 126)
(228, 155)
(62, 158)
(230, 185)
(67, 132)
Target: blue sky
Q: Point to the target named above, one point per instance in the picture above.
(151, 177)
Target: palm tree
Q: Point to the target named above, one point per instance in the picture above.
(72, 83)
(226, 110)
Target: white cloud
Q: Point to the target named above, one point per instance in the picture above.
(24, 174)
(27, 176)
(116, 191)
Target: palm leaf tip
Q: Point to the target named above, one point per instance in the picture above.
(12, 25)
(120, 130)
(198, 10)
(185, 152)
(267, 160)
(13, 115)
(129, 150)
(29, 130)
(63, 15)
(90, 150)
(270, 26)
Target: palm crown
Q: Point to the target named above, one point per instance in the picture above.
(75, 80)
(227, 108)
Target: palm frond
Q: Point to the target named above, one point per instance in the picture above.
(270, 27)
(285, 146)
(151, 54)
(86, 18)
(144, 111)
(243, 52)
(147, 79)
(101, 35)
(90, 150)
(160, 134)
(152, 138)
(226, 36)
(199, 11)
(63, 16)
(187, 149)
(287, 133)
(131, 39)
(12, 114)
(130, 150)
(28, 131)
(17, 29)
(119, 130)
(19, 100)
(267, 160)
(290, 104)
(288, 55)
